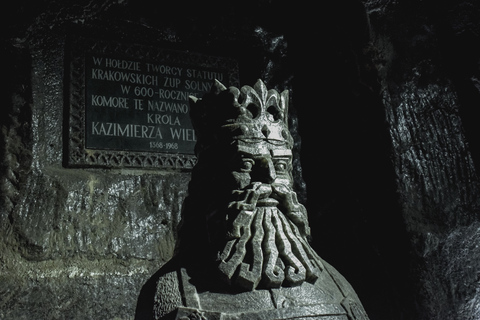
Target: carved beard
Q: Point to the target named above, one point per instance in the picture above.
(267, 243)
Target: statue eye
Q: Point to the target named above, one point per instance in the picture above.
(280, 166)
(247, 165)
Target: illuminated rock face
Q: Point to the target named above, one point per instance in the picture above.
(244, 250)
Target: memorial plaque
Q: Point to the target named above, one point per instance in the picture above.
(128, 104)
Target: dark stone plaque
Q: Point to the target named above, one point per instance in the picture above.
(128, 103)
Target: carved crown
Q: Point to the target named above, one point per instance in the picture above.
(249, 115)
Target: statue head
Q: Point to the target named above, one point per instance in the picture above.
(256, 229)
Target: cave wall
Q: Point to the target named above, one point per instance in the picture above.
(406, 203)
(79, 243)
(76, 243)
(383, 94)
(429, 66)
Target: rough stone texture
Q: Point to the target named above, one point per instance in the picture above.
(421, 59)
(437, 181)
(97, 214)
(84, 247)
(76, 243)
(80, 243)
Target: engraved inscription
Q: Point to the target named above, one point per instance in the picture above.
(128, 103)
(142, 106)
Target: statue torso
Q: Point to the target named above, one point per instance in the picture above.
(181, 297)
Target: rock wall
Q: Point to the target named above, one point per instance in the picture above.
(399, 87)
(426, 91)
(79, 243)
(76, 243)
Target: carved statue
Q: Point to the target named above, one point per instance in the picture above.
(243, 249)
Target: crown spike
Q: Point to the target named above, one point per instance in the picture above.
(218, 87)
(192, 99)
(261, 89)
(251, 96)
(273, 98)
(284, 105)
(244, 116)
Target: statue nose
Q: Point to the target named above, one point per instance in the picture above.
(266, 171)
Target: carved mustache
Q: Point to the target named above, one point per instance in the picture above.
(261, 194)
(271, 195)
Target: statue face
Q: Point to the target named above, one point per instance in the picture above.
(268, 166)
(265, 231)
(256, 228)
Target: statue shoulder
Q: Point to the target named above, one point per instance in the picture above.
(168, 293)
(350, 302)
